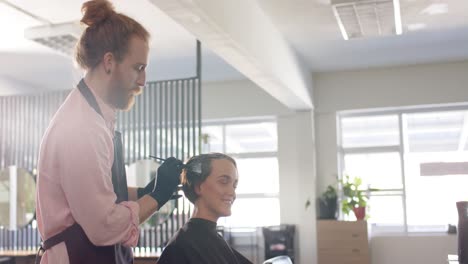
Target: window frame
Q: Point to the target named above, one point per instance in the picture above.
(401, 148)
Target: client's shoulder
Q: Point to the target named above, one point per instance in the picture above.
(179, 239)
(176, 250)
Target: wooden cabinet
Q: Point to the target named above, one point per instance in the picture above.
(342, 242)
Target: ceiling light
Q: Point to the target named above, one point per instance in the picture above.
(340, 24)
(60, 37)
(367, 18)
(397, 14)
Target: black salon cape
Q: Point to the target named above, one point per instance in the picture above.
(199, 243)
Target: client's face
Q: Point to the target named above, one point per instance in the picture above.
(218, 192)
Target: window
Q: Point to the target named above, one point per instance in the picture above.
(212, 139)
(388, 149)
(258, 175)
(255, 137)
(379, 170)
(370, 131)
(253, 143)
(438, 136)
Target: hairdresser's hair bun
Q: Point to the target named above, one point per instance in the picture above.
(96, 11)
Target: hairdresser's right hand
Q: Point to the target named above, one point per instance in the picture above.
(167, 180)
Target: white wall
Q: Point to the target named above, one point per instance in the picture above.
(412, 249)
(36, 72)
(10, 86)
(390, 87)
(236, 99)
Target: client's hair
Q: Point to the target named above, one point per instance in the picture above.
(197, 170)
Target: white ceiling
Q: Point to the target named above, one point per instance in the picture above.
(310, 27)
(307, 25)
(172, 47)
(166, 34)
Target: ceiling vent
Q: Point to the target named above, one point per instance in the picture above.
(364, 18)
(60, 37)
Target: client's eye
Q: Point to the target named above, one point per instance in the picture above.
(140, 68)
(224, 181)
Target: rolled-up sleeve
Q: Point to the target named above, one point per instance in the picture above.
(86, 179)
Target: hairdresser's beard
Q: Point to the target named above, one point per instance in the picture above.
(122, 97)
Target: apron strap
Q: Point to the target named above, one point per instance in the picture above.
(88, 95)
(68, 233)
(119, 176)
(60, 237)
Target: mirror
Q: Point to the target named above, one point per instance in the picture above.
(17, 197)
(139, 174)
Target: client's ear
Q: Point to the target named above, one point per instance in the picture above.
(197, 189)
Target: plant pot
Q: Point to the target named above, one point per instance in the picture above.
(462, 208)
(327, 208)
(360, 212)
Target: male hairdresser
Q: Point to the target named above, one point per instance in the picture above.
(85, 211)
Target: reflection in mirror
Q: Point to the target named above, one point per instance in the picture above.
(17, 197)
(139, 174)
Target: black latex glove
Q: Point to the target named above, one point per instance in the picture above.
(168, 180)
(149, 188)
(146, 190)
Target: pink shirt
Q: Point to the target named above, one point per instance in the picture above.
(74, 181)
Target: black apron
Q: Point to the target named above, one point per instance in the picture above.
(79, 247)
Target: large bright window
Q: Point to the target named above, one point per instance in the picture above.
(253, 144)
(388, 151)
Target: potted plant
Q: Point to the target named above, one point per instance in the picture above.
(327, 203)
(354, 198)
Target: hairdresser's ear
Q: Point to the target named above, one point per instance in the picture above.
(108, 62)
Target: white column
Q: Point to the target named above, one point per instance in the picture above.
(296, 157)
(327, 157)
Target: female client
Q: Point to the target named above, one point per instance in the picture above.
(209, 182)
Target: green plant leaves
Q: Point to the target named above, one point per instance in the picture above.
(353, 196)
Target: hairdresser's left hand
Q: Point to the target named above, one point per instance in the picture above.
(147, 189)
(167, 180)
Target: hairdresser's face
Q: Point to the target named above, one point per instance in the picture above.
(218, 192)
(129, 76)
